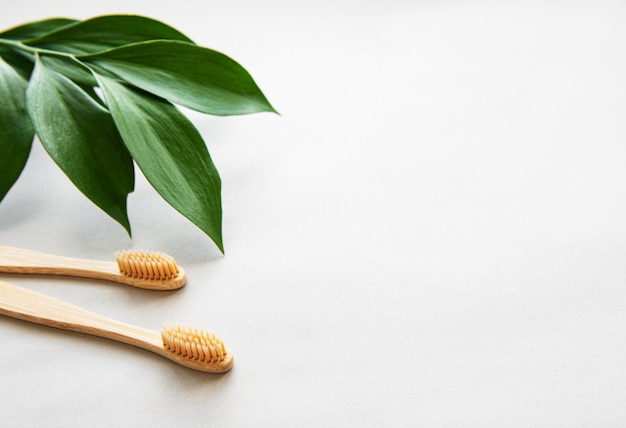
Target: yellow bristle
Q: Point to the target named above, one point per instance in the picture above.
(193, 343)
(146, 265)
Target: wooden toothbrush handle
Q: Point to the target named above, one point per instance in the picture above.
(18, 260)
(21, 303)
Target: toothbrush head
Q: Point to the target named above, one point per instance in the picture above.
(196, 348)
(147, 266)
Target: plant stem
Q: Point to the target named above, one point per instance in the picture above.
(34, 50)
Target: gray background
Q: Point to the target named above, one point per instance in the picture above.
(432, 234)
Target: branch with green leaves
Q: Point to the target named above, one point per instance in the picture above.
(101, 94)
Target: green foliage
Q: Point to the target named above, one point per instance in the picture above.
(80, 136)
(101, 93)
(16, 130)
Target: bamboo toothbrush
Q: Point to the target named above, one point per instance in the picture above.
(150, 270)
(190, 347)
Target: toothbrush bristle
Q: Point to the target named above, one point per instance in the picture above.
(193, 343)
(146, 265)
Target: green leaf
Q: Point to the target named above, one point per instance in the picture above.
(16, 132)
(185, 74)
(105, 32)
(70, 68)
(22, 62)
(80, 136)
(170, 152)
(35, 29)
(75, 71)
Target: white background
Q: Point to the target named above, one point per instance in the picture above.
(432, 234)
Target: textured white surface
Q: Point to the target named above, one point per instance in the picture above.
(432, 233)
